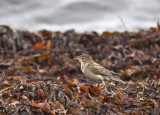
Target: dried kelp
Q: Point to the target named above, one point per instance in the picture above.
(39, 76)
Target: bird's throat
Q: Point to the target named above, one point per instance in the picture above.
(83, 66)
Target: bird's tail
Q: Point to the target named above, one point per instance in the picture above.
(114, 78)
(117, 74)
(118, 80)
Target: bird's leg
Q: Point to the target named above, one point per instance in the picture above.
(96, 84)
(110, 87)
(143, 86)
(104, 84)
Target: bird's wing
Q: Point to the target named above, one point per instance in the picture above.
(108, 75)
(97, 69)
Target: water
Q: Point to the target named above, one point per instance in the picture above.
(81, 15)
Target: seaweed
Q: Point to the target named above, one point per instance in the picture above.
(39, 76)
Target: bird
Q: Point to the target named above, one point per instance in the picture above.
(95, 72)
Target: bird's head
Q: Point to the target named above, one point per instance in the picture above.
(84, 58)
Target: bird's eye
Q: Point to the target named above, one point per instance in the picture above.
(82, 58)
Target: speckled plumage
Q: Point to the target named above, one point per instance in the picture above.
(96, 72)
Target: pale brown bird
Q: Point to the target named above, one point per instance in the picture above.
(94, 71)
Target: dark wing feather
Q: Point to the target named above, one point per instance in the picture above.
(108, 75)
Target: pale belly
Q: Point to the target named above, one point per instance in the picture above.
(92, 76)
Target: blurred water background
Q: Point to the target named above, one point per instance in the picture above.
(81, 15)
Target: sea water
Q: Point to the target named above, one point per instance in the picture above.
(81, 15)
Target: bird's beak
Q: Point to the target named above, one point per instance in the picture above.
(77, 58)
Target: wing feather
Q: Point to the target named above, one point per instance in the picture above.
(108, 75)
(97, 69)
